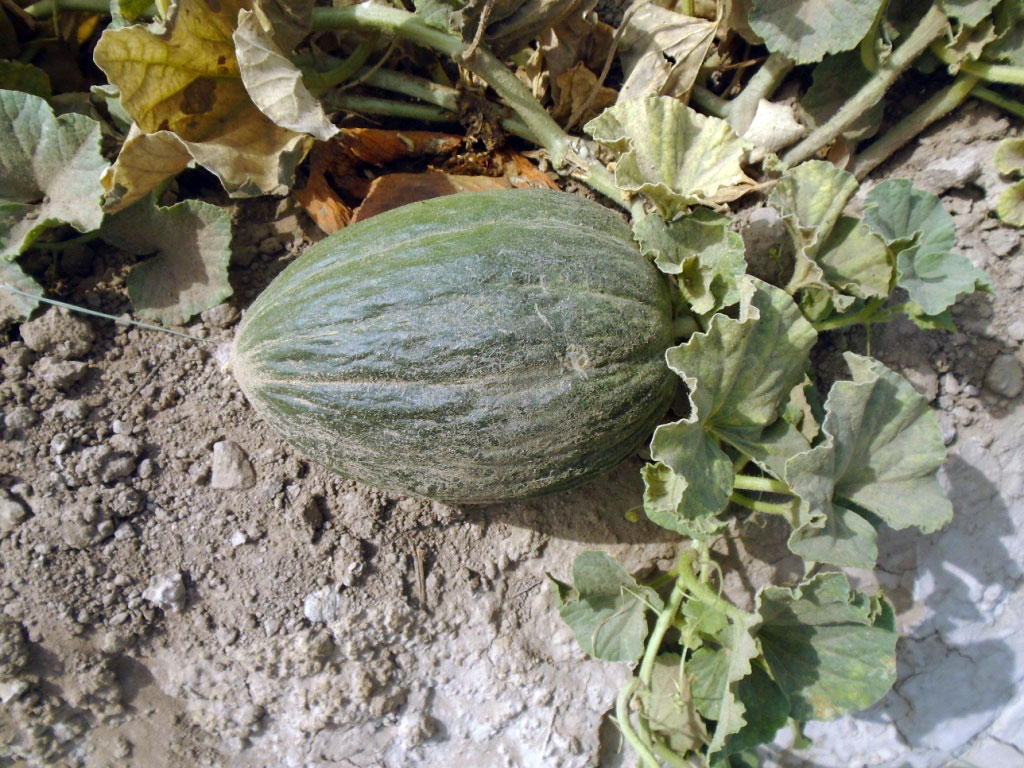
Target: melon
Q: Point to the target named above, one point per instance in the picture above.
(479, 347)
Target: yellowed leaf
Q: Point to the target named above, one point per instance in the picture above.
(574, 88)
(183, 77)
(145, 160)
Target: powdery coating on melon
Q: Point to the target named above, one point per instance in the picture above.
(478, 347)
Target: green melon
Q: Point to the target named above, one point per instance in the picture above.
(472, 348)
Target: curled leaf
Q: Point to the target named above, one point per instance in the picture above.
(701, 250)
(145, 161)
(273, 82)
(184, 77)
(915, 224)
(662, 52)
(14, 306)
(672, 154)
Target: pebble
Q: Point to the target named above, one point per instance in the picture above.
(238, 539)
(1005, 376)
(145, 469)
(121, 427)
(232, 469)
(166, 591)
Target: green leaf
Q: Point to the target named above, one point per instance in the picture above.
(811, 198)
(1011, 205)
(740, 374)
(766, 709)
(805, 30)
(829, 650)
(188, 273)
(49, 171)
(940, 322)
(836, 80)
(672, 154)
(969, 12)
(669, 707)
(855, 260)
(16, 76)
(702, 250)
(934, 279)
(915, 224)
(605, 607)
(899, 214)
(1009, 157)
(882, 451)
(715, 674)
(12, 305)
(666, 501)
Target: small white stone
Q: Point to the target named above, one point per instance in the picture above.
(231, 467)
(121, 427)
(323, 605)
(166, 591)
(238, 539)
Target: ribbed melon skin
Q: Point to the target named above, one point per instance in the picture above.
(477, 347)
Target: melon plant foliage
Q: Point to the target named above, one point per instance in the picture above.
(243, 90)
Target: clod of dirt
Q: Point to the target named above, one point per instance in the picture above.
(12, 512)
(232, 469)
(1005, 376)
(58, 334)
(60, 374)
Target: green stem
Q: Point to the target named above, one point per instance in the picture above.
(415, 87)
(867, 315)
(786, 510)
(762, 85)
(321, 81)
(765, 484)
(993, 73)
(46, 8)
(666, 753)
(686, 7)
(371, 105)
(665, 618)
(931, 26)
(511, 89)
(711, 103)
(699, 590)
(939, 105)
(626, 726)
(1005, 104)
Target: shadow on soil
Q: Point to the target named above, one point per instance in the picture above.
(593, 513)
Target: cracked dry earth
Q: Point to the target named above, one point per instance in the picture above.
(181, 589)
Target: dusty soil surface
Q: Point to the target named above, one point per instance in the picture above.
(179, 588)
